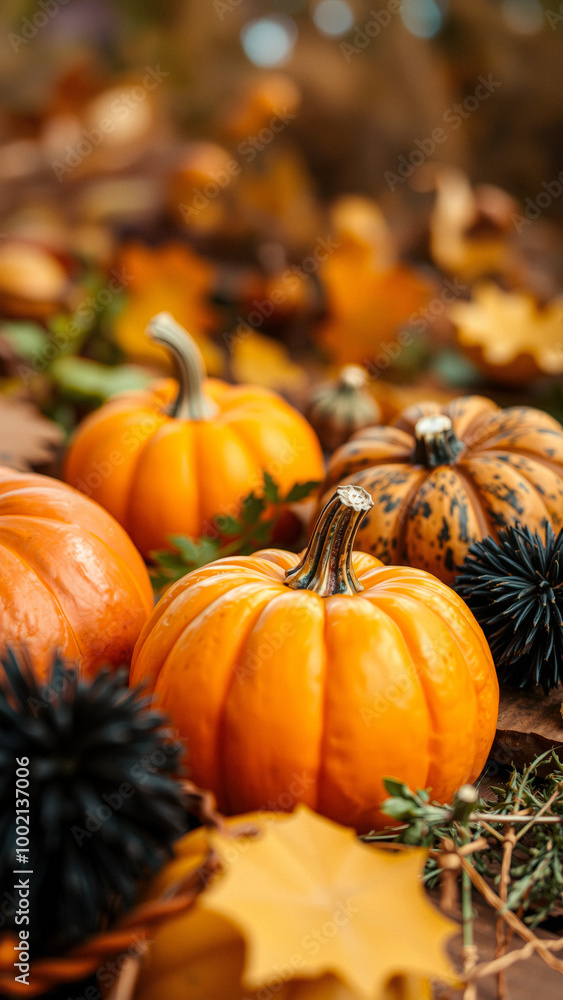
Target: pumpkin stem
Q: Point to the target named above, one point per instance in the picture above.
(190, 403)
(353, 377)
(436, 443)
(326, 566)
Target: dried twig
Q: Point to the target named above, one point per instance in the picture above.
(509, 841)
(511, 919)
(519, 955)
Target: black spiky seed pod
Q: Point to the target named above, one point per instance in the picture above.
(514, 587)
(104, 805)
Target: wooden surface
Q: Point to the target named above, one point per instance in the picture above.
(528, 724)
(529, 980)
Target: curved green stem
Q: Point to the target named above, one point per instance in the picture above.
(190, 403)
(326, 567)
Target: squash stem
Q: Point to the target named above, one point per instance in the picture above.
(190, 403)
(436, 443)
(352, 378)
(326, 567)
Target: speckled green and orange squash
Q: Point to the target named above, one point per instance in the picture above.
(443, 477)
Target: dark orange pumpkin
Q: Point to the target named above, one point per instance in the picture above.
(444, 477)
(70, 578)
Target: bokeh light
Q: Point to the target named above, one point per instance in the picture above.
(526, 17)
(269, 41)
(333, 17)
(423, 18)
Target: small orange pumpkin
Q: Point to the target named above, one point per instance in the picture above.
(443, 477)
(309, 679)
(169, 460)
(70, 578)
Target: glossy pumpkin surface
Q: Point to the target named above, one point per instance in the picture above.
(436, 492)
(70, 578)
(164, 465)
(283, 695)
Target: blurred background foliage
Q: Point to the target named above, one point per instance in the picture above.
(240, 134)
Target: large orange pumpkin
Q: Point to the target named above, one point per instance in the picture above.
(309, 679)
(169, 460)
(443, 477)
(70, 578)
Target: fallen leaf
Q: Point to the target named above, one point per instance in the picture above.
(27, 438)
(308, 893)
(470, 228)
(370, 295)
(260, 360)
(33, 282)
(171, 278)
(366, 308)
(509, 333)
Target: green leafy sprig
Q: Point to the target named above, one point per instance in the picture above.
(250, 531)
(535, 808)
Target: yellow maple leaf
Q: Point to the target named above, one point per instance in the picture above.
(506, 326)
(308, 895)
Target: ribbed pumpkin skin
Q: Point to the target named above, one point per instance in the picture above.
(510, 471)
(160, 476)
(282, 696)
(70, 578)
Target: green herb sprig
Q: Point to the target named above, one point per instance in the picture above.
(534, 806)
(250, 531)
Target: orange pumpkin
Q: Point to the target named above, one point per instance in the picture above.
(443, 477)
(309, 679)
(169, 460)
(70, 578)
